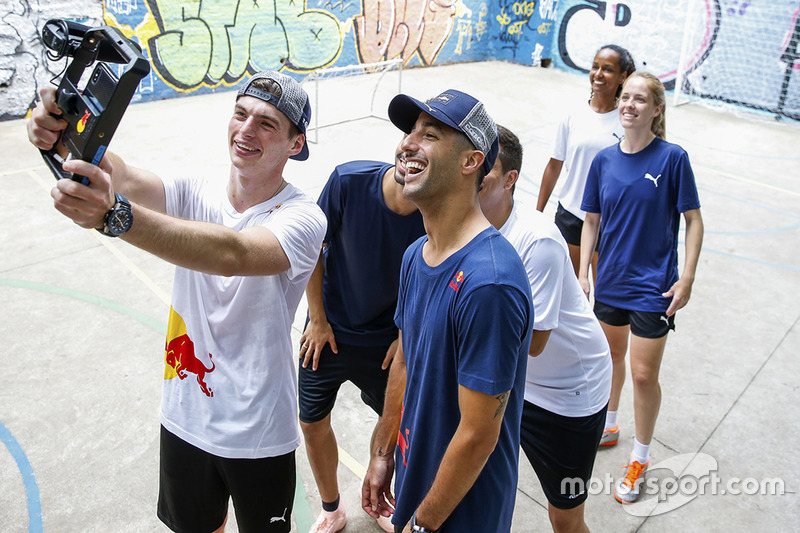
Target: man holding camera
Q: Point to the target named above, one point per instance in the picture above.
(244, 248)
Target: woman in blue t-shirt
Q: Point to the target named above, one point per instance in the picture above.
(639, 188)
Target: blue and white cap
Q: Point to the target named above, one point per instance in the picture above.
(293, 101)
(456, 109)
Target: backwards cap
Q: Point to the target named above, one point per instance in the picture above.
(458, 110)
(293, 101)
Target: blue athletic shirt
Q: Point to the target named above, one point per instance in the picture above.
(640, 198)
(467, 321)
(365, 245)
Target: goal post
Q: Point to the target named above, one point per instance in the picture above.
(741, 56)
(349, 93)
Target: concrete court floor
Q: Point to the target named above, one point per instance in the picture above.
(83, 321)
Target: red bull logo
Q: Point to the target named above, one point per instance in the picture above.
(82, 122)
(179, 355)
(403, 443)
(455, 283)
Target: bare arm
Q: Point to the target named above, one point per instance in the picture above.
(549, 179)
(318, 331)
(200, 246)
(538, 341)
(681, 290)
(591, 229)
(137, 185)
(390, 353)
(376, 492)
(473, 442)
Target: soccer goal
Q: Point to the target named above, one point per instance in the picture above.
(742, 56)
(355, 92)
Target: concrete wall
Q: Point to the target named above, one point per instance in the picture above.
(197, 47)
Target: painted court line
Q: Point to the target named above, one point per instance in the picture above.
(28, 479)
(113, 248)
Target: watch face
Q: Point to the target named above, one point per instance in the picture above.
(119, 221)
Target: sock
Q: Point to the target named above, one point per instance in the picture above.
(641, 452)
(331, 506)
(611, 419)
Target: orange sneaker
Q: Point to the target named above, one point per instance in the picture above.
(629, 487)
(610, 436)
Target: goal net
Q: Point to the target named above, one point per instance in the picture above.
(355, 92)
(742, 55)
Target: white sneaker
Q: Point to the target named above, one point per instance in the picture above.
(330, 522)
(385, 523)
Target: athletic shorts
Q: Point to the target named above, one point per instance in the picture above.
(561, 450)
(570, 227)
(195, 486)
(360, 365)
(646, 324)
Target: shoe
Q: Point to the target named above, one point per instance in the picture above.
(610, 436)
(330, 522)
(629, 487)
(385, 523)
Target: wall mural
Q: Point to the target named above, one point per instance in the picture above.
(198, 47)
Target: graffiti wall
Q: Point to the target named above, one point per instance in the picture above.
(204, 46)
(197, 47)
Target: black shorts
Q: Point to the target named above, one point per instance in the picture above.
(561, 450)
(646, 324)
(194, 488)
(570, 227)
(360, 365)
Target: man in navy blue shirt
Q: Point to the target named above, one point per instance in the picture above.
(352, 295)
(465, 315)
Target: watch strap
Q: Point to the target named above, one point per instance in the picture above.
(415, 528)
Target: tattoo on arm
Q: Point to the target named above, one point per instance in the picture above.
(503, 399)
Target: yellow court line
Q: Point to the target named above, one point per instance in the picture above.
(115, 251)
(354, 466)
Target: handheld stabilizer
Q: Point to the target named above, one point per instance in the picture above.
(94, 112)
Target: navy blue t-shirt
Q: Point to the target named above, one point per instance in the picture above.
(467, 322)
(640, 198)
(365, 245)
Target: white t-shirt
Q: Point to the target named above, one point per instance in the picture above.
(581, 134)
(230, 383)
(572, 376)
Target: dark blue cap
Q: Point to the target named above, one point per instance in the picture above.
(458, 110)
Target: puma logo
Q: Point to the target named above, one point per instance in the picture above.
(665, 319)
(281, 518)
(651, 178)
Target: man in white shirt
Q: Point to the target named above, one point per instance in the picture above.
(569, 372)
(244, 247)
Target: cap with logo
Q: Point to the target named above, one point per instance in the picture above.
(456, 109)
(293, 101)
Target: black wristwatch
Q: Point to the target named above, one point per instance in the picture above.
(119, 218)
(419, 529)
